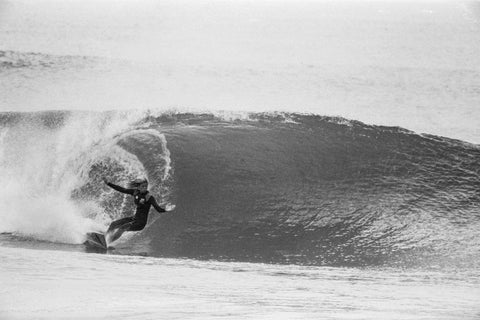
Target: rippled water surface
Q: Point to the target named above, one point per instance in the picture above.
(45, 284)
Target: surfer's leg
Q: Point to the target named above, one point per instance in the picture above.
(117, 233)
(117, 228)
(129, 226)
(118, 223)
(136, 226)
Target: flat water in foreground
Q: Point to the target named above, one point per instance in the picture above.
(44, 284)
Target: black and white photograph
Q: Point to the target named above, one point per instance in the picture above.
(240, 159)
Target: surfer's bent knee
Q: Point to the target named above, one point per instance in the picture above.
(136, 227)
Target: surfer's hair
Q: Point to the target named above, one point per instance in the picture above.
(134, 184)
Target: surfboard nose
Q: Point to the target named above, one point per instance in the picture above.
(97, 240)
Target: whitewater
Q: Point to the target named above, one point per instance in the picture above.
(320, 159)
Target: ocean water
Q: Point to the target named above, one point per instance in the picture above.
(72, 285)
(413, 64)
(321, 157)
(277, 216)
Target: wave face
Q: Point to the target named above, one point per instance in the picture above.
(278, 188)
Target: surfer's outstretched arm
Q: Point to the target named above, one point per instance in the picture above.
(156, 206)
(118, 188)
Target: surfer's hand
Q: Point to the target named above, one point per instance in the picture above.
(169, 207)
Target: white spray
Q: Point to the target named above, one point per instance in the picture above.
(41, 166)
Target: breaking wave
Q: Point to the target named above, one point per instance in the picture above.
(279, 188)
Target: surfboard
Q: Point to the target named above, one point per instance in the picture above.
(97, 240)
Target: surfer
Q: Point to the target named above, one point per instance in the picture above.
(143, 200)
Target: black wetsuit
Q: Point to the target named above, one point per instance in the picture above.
(143, 201)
